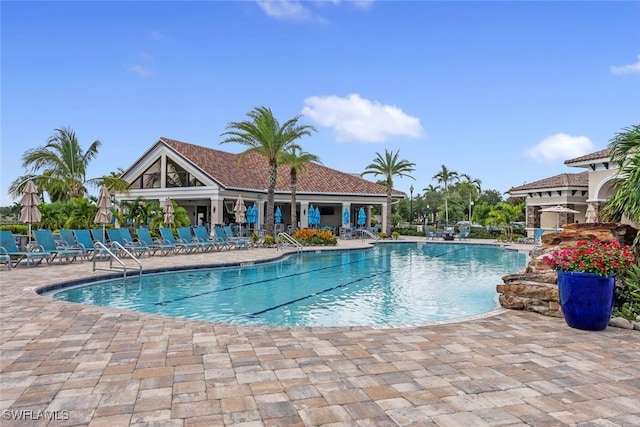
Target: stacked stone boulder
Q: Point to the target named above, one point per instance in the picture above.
(536, 287)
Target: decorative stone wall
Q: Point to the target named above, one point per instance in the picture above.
(535, 288)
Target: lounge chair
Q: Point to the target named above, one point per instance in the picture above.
(464, 233)
(71, 242)
(115, 235)
(165, 248)
(5, 257)
(221, 238)
(241, 242)
(33, 257)
(99, 235)
(85, 241)
(202, 236)
(537, 236)
(58, 249)
(169, 238)
(186, 238)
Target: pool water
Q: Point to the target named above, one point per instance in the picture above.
(389, 285)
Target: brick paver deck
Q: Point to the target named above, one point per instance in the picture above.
(103, 367)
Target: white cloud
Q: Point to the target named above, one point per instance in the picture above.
(146, 56)
(627, 69)
(285, 9)
(140, 70)
(560, 147)
(354, 118)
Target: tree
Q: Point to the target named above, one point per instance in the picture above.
(264, 135)
(446, 178)
(433, 198)
(472, 187)
(113, 181)
(625, 151)
(389, 167)
(59, 167)
(297, 161)
(504, 215)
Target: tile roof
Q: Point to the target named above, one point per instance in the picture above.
(558, 181)
(602, 154)
(253, 173)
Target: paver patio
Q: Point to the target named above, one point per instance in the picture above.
(105, 367)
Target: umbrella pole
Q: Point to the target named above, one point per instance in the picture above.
(104, 237)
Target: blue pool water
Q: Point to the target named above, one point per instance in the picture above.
(392, 284)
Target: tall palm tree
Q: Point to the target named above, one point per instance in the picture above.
(113, 181)
(625, 151)
(472, 187)
(446, 177)
(264, 135)
(59, 167)
(389, 167)
(432, 197)
(297, 161)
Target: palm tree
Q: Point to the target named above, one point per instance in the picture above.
(297, 160)
(113, 181)
(389, 167)
(625, 151)
(432, 197)
(59, 167)
(446, 177)
(504, 214)
(472, 187)
(264, 135)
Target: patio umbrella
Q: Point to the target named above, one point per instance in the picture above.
(240, 210)
(278, 215)
(345, 216)
(558, 210)
(591, 216)
(252, 214)
(30, 214)
(103, 216)
(316, 216)
(362, 217)
(169, 217)
(312, 212)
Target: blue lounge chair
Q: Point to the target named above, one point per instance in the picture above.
(169, 238)
(186, 238)
(202, 235)
(165, 248)
(33, 257)
(537, 236)
(85, 241)
(238, 241)
(221, 238)
(115, 235)
(99, 235)
(58, 249)
(5, 257)
(71, 242)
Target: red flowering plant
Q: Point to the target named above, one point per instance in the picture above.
(604, 259)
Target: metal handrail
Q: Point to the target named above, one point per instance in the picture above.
(291, 240)
(364, 232)
(112, 256)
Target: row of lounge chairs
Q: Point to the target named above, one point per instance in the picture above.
(82, 244)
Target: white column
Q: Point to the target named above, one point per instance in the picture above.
(163, 171)
(383, 226)
(368, 216)
(216, 211)
(304, 214)
(260, 205)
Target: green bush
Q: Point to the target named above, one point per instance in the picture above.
(395, 235)
(627, 301)
(382, 235)
(269, 239)
(18, 228)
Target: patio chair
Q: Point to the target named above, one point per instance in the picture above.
(144, 236)
(58, 248)
(169, 238)
(99, 235)
(202, 236)
(537, 236)
(464, 233)
(221, 238)
(241, 242)
(71, 242)
(33, 257)
(5, 257)
(115, 235)
(186, 238)
(85, 242)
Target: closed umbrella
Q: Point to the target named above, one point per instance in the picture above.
(316, 215)
(240, 210)
(345, 217)
(169, 217)
(591, 216)
(30, 213)
(278, 215)
(362, 217)
(252, 214)
(103, 216)
(558, 210)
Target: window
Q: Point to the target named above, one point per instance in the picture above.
(149, 178)
(177, 176)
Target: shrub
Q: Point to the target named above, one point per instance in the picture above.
(627, 301)
(269, 239)
(395, 235)
(382, 235)
(254, 237)
(311, 237)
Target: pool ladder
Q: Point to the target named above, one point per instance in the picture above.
(105, 252)
(290, 240)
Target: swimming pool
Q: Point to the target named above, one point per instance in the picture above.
(389, 285)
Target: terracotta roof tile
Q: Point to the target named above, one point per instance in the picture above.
(558, 181)
(602, 154)
(253, 173)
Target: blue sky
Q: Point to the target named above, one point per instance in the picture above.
(502, 91)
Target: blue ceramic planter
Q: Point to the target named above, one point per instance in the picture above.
(586, 299)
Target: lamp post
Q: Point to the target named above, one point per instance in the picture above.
(470, 207)
(411, 205)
